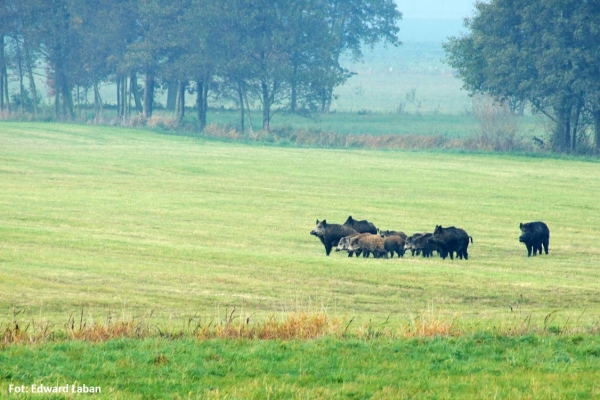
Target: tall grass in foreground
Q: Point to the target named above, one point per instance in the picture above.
(291, 326)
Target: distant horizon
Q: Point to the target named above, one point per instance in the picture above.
(431, 9)
(429, 29)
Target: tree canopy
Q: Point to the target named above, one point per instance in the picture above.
(542, 52)
(282, 53)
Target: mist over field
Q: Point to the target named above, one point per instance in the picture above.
(413, 74)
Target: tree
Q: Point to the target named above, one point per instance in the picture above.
(107, 28)
(203, 51)
(158, 43)
(543, 52)
(354, 23)
(7, 17)
(290, 49)
(60, 45)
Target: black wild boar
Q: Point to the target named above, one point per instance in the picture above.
(419, 244)
(394, 243)
(361, 226)
(409, 243)
(368, 244)
(385, 234)
(535, 235)
(330, 234)
(451, 240)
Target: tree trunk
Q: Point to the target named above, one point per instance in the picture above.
(566, 130)
(32, 87)
(596, 115)
(201, 102)
(119, 100)
(172, 90)
(180, 104)
(121, 96)
(20, 71)
(98, 110)
(575, 124)
(2, 72)
(248, 110)
(67, 99)
(5, 73)
(328, 99)
(57, 90)
(294, 85)
(134, 91)
(241, 99)
(63, 90)
(125, 97)
(266, 103)
(148, 93)
(562, 140)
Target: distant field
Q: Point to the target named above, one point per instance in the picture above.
(376, 123)
(371, 123)
(126, 221)
(386, 75)
(383, 78)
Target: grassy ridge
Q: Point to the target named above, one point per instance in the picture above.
(127, 222)
(481, 366)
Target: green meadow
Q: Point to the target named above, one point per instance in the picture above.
(103, 223)
(478, 367)
(375, 123)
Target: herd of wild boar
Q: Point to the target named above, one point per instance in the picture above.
(362, 237)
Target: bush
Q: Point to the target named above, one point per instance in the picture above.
(499, 127)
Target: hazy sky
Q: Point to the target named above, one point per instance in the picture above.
(438, 9)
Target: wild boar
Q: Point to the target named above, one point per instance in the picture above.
(344, 244)
(418, 244)
(360, 226)
(451, 240)
(535, 235)
(389, 233)
(368, 244)
(330, 234)
(394, 243)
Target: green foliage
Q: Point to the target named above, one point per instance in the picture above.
(284, 54)
(24, 102)
(541, 52)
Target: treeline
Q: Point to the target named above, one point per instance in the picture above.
(281, 53)
(545, 53)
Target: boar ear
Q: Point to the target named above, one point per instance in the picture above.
(324, 223)
(317, 223)
(521, 225)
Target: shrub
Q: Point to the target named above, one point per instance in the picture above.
(162, 121)
(499, 127)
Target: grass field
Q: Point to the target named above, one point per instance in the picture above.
(386, 75)
(478, 367)
(106, 222)
(125, 220)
